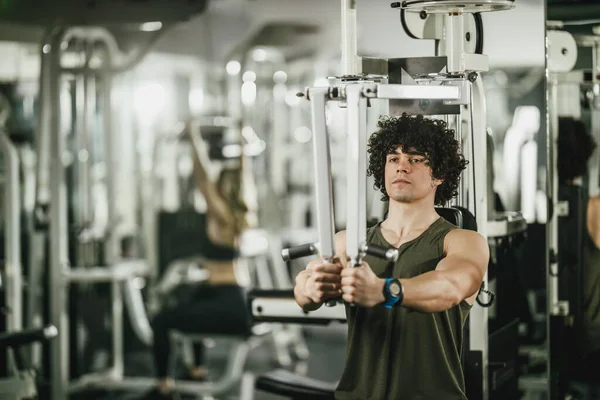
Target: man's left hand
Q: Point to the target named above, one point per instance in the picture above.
(361, 286)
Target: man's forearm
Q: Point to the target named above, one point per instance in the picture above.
(303, 301)
(430, 292)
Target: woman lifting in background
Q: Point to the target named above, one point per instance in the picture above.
(219, 305)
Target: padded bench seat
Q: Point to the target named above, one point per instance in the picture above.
(296, 387)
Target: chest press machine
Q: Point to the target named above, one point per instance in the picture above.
(430, 92)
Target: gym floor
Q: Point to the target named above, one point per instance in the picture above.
(326, 360)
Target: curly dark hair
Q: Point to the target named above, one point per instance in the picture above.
(575, 147)
(428, 136)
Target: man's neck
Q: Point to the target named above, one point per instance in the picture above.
(407, 217)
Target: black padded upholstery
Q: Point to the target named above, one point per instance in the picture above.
(286, 383)
(459, 216)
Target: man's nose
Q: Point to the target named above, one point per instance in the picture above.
(403, 166)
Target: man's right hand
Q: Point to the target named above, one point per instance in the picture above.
(323, 281)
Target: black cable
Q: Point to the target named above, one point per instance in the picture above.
(404, 25)
(478, 33)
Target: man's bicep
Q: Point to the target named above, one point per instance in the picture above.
(467, 247)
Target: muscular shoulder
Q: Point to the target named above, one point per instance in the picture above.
(465, 241)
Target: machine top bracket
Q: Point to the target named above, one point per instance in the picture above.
(454, 6)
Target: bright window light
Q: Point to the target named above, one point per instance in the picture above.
(280, 77)
(196, 100)
(248, 93)
(249, 76)
(151, 26)
(233, 67)
(302, 134)
(149, 99)
(259, 55)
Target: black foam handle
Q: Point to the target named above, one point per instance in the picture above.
(295, 252)
(21, 338)
(385, 253)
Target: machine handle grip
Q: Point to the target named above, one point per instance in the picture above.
(16, 339)
(295, 252)
(385, 253)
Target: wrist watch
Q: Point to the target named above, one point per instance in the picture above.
(393, 292)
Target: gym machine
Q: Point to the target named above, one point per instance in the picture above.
(408, 89)
(101, 58)
(20, 383)
(566, 224)
(18, 378)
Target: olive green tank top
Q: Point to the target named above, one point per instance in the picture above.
(591, 295)
(400, 353)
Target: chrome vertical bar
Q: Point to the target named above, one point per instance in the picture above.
(350, 63)
(80, 149)
(12, 233)
(59, 239)
(117, 331)
(478, 321)
(356, 174)
(112, 250)
(322, 172)
(552, 190)
(89, 113)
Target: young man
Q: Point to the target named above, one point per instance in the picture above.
(406, 333)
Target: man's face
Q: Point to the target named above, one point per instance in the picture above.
(408, 176)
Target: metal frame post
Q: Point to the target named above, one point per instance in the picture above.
(478, 320)
(12, 233)
(322, 173)
(350, 63)
(59, 239)
(552, 259)
(454, 31)
(356, 173)
(112, 252)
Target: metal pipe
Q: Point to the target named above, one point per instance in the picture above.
(416, 92)
(117, 330)
(351, 63)
(356, 173)
(137, 312)
(43, 132)
(12, 233)
(478, 320)
(112, 248)
(454, 34)
(59, 239)
(322, 173)
(552, 190)
(118, 60)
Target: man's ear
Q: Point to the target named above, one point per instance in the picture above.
(436, 182)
